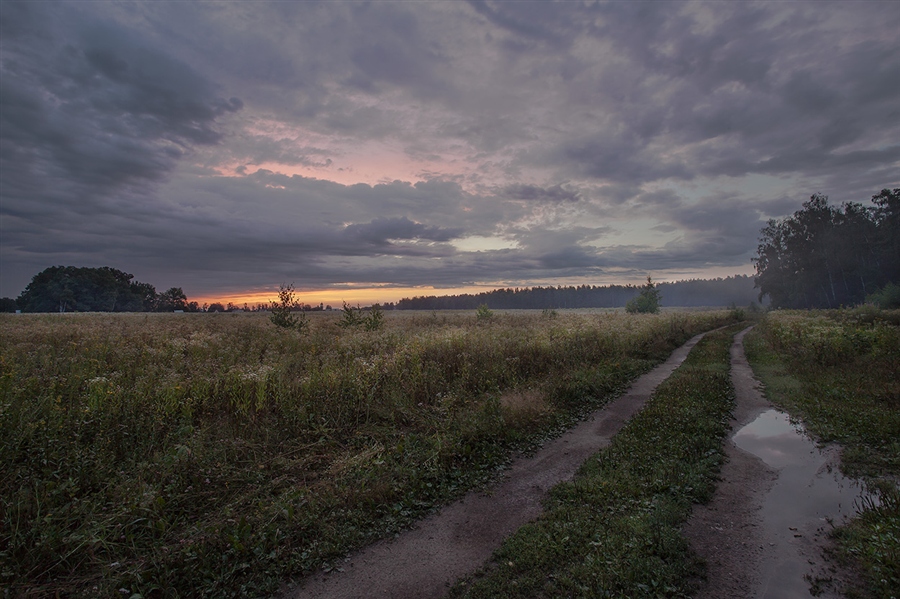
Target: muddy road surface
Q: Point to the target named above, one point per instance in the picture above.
(765, 532)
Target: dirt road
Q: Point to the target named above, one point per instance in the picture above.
(425, 561)
(752, 550)
(764, 533)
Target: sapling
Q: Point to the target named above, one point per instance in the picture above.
(284, 311)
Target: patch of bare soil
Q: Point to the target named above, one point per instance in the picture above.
(746, 553)
(457, 540)
(727, 532)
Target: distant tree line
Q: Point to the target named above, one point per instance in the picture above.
(737, 290)
(103, 289)
(823, 256)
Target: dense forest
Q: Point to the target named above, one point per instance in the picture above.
(824, 256)
(737, 290)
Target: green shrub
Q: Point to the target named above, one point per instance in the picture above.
(375, 320)
(352, 318)
(646, 302)
(484, 314)
(887, 298)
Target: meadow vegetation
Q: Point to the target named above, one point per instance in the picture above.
(154, 455)
(839, 371)
(614, 531)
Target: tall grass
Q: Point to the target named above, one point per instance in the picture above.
(213, 455)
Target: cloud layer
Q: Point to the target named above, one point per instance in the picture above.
(230, 147)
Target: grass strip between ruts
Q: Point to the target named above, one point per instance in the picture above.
(615, 530)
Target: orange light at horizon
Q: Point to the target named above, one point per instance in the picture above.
(364, 296)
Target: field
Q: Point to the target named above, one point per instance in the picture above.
(209, 455)
(217, 455)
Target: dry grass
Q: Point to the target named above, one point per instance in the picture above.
(524, 407)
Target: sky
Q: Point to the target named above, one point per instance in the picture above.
(368, 151)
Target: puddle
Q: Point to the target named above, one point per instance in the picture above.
(809, 495)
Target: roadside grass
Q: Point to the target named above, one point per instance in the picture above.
(200, 455)
(615, 530)
(839, 371)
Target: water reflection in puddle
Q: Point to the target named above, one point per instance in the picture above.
(775, 439)
(808, 495)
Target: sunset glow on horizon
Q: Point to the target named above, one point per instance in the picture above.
(364, 296)
(368, 295)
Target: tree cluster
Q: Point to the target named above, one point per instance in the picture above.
(823, 256)
(103, 289)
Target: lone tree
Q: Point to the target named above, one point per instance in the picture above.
(646, 302)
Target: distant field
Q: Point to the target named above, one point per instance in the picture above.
(215, 455)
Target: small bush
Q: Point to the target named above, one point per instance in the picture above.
(375, 320)
(352, 318)
(738, 314)
(484, 314)
(887, 298)
(646, 302)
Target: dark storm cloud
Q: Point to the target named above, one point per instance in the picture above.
(571, 257)
(90, 109)
(762, 91)
(526, 20)
(619, 160)
(678, 129)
